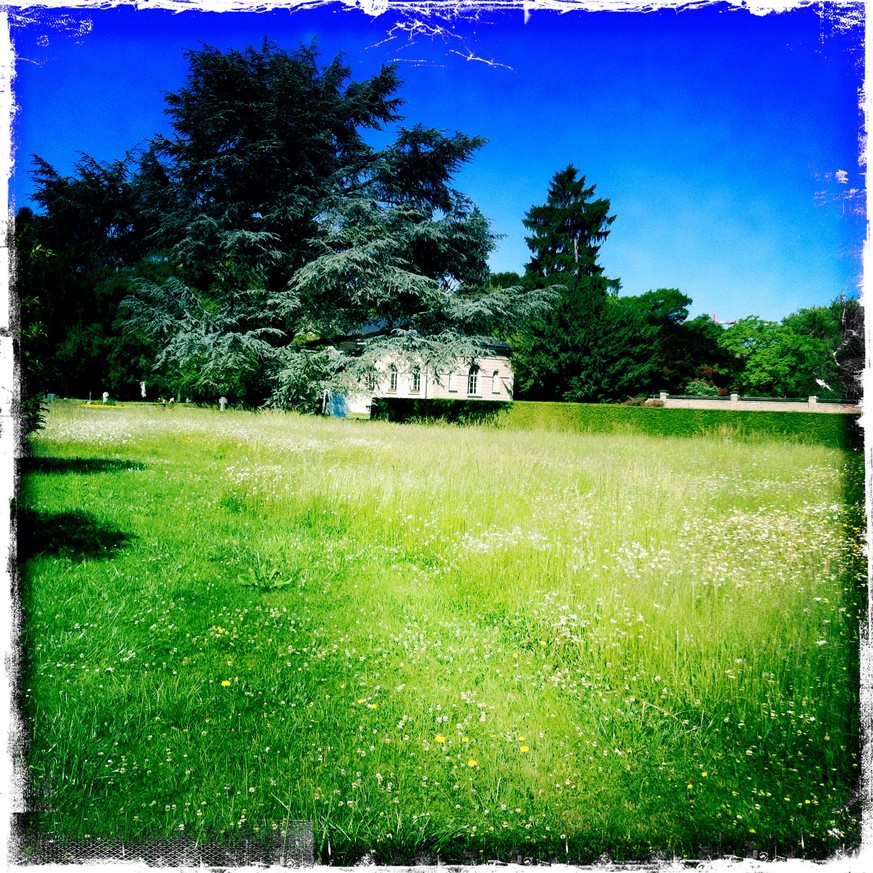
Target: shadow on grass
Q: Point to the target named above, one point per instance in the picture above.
(78, 465)
(68, 534)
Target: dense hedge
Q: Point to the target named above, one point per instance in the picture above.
(839, 430)
(452, 411)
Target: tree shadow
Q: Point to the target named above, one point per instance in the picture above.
(74, 534)
(78, 465)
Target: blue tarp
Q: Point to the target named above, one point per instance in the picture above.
(335, 406)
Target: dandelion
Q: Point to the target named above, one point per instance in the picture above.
(472, 763)
(225, 683)
(525, 748)
(440, 738)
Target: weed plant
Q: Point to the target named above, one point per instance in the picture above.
(438, 642)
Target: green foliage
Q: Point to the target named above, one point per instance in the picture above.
(265, 221)
(850, 355)
(568, 353)
(595, 346)
(701, 388)
(643, 645)
(568, 229)
(74, 265)
(812, 428)
(462, 412)
(793, 358)
(319, 235)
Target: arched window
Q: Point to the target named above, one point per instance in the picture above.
(495, 382)
(392, 384)
(416, 380)
(472, 380)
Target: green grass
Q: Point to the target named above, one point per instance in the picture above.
(465, 643)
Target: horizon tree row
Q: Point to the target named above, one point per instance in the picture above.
(218, 259)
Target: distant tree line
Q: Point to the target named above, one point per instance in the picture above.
(595, 345)
(224, 258)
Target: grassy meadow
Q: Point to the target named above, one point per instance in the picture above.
(464, 643)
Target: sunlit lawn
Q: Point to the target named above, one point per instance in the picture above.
(463, 643)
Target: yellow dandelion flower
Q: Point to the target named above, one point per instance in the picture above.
(465, 739)
(704, 773)
(440, 738)
(225, 682)
(472, 763)
(521, 739)
(525, 748)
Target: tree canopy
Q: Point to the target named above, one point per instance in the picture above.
(596, 345)
(811, 351)
(575, 351)
(229, 255)
(267, 223)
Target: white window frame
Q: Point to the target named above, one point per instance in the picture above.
(473, 381)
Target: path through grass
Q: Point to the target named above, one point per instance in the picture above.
(437, 641)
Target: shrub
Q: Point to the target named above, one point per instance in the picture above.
(701, 388)
(815, 428)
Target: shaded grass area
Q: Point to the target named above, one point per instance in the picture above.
(464, 643)
(74, 534)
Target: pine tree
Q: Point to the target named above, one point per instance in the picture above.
(567, 354)
(281, 226)
(568, 229)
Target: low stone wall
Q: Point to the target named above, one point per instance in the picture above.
(812, 404)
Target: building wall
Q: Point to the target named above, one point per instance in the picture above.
(494, 381)
(737, 402)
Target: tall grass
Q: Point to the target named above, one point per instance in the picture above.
(464, 643)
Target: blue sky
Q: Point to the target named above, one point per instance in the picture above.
(727, 143)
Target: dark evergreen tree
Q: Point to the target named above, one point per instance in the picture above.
(668, 351)
(74, 265)
(568, 229)
(281, 226)
(594, 345)
(570, 353)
